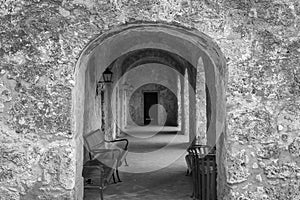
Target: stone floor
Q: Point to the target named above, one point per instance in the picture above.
(156, 168)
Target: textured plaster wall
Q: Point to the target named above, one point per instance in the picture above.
(150, 77)
(200, 95)
(91, 120)
(41, 41)
(113, 109)
(166, 98)
(92, 102)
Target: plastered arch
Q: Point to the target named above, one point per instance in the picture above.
(187, 43)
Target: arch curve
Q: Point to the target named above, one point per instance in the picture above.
(194, 46)
(200, 40)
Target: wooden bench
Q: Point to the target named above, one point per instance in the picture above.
(111, 153)
(93, 171)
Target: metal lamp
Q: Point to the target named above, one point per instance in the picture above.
(107, 78)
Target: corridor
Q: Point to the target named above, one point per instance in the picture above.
(156, 168)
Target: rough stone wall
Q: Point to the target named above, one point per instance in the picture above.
(42, 39)
(261, 42)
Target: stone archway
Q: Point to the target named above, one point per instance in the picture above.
(166, 98)
(194, 46)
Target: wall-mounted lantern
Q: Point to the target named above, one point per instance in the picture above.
(107, 78)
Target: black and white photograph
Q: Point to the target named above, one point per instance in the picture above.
(149, 99)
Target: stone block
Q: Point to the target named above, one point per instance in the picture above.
(9, 193)
(294, 148)
(6, 174)
(268, 151)
(282, 171)
(58, 167)
(237, 169)
(284, 191)
(289, 118)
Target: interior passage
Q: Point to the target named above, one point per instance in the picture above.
(156, 167)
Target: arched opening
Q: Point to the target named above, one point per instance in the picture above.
(204, 73)
(150, 94)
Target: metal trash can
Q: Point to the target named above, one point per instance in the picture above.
(204, 172)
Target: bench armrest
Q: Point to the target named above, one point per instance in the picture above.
(115, 153)
(120, 140)
(101, 151)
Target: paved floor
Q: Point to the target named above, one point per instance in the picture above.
(156, 169)
(147, 129)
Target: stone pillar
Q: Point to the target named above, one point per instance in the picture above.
(79, 152)
(182, 105)
(114, 109)
(122, 106)
(186, 103)
(120, 117)
(201, 103)
(116, 112)
(126, 103)
(109, 127)
(192, 108)
(121, 109)
(179, 100)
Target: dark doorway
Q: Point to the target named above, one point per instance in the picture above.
(150, 110)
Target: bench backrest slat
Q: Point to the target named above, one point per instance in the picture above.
(93, 140)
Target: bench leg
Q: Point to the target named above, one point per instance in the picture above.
(118, 176)
(126, 164)
(101, 193)
(187, 172)
(114, 178)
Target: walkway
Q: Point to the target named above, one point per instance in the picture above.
(156, 168)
